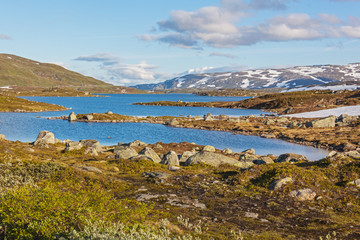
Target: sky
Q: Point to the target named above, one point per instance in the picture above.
(148, 41)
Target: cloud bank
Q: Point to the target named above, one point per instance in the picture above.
(225, 26)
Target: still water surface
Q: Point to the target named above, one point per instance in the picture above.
(26, 126)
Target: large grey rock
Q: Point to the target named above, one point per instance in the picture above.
(355, 182)
(45, 137)
(90, 143)
(291, 157)
(263, 160)
(277, 184)
(247, 157)
(124, 152)
(208, 148)
(249, 151)
(89, 117)
(150, 153)
(72, 145)
(171, 158)
(137, 143)
(227, 151)
(172, 122)
(2, 137)
(210, 158)
(353, 154)
(322, 123)
(344, 120)
(208, 117)
(303, 194)
(72, 116)
(185, 155)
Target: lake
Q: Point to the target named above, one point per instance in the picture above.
(26, 126)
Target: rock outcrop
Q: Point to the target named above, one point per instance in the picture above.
(291, 157)
(44, 138)
(322, 123)
(171, 158)
(210, 158)
(72, 116)
(124, 152)
(150, 153)
(303, 194)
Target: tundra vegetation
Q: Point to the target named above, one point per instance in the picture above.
(82, 190)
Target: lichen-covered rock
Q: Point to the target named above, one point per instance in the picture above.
(124, 152)
(72, 116)
(277, 184)
(171, 158)
(2, 137)
(208, 148)
(90, 143)
(247, 157)
(355, 182)
(150, 153)
(227, 151)
(212, 159)
(137, 143)
(89, 117)
(185, 155)
(249, 151)
(263, 160)
(291, 157)
(303, 194)
(322, 123)
(45, 137)
(172, 122)
(72, 145)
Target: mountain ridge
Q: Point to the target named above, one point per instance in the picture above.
(19, 71)
(289, 78)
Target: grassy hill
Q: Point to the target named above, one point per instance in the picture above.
(20, 71)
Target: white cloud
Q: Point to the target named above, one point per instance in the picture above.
(218, 54)
(119, 73)
(223, 26)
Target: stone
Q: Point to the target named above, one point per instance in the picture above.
(114, 169)
(92, 144)
(208, 117)
(331, 154)
(89, 169)
(89, 117)
(208, 148)
(185, 155)
(344, 120)
(250, 151)
(263, 160)
(279, 183)
(150, 153)
(72, 145)
(174, 168)
(140, 157)
(353, 154)
(172, 122)
(291, 157)
(247, 157)
(355, 182)
(303, 194)
(45, 137)
(212, 159)
(227, 151)
(109, 112)
(159, 176)
(137, 143)
(72, 117)
(124, 152)
(171, 159)
(251, 215)
(2, 137)
(91, 151)
(322, 123)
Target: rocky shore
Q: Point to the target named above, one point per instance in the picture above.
(226, 195)
(332, 133)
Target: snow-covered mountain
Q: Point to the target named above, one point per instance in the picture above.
(263, 78)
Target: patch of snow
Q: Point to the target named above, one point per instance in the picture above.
(180, 82)
(334, 88)
(350, 110)
(211, 86)
(6, 87)
(9, 57)
(245, 83)
(307, 70)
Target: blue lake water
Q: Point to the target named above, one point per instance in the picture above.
(26, 126)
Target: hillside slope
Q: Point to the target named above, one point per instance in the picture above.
(20, 71)
(263, 78)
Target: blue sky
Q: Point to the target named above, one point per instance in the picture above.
(145, 41)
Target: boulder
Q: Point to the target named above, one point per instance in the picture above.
(45, 137)
(171, 159)
(353, 154)
(263, 160)
(250, 151)
(124, 152)
(91, 151)
(208, 117)
(150, 153)
(303, 194)
(159, 177)
(89, 117)
(344, 120)
(185, 155)
(173, 168)
(92, 144)
(72, 145)
(322, 123)
(109, 112)
(355, 182)
(2, 137)
(277, 184)
(89, 169)
(137, 143)
(212, 159)
(72, 117)
(172, 122)
(208, 148)
(248, 157)
(227, 151)
(140, 157)
(291, 157)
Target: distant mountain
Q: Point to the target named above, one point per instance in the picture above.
(20, 71)
(263, 78)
